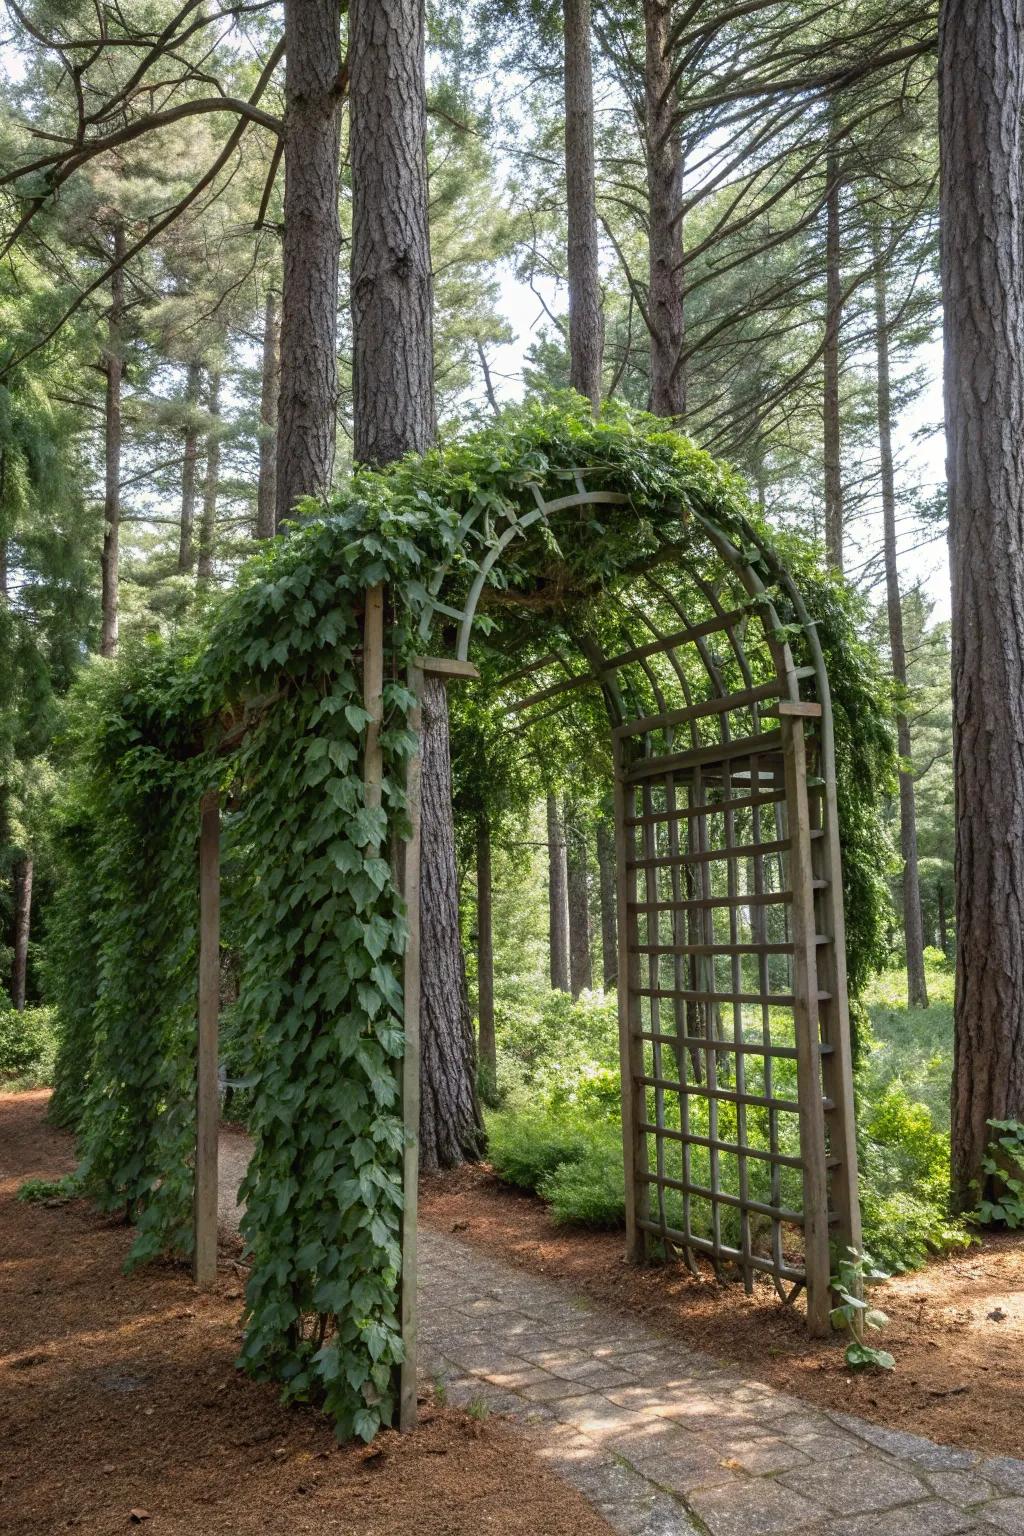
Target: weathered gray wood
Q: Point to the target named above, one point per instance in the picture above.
(486, 1046)
(634, 1144)
(373, 689)
(204, 1255)
(805, 1020)
(410, 881)
(723, 704)
(446, 666)
(678, 762)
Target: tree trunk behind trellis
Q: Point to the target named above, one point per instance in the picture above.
(450, 1124)
(112, 455)
(393, 390)
(190, 453)
(581, 977)
(312, 239)
(913, 926)
(586, 326)
(485, 953)
(558, 899)
(22, 925)
(609, 930)
(831, 364)
(981, 78)
(211, 482)
(266, 485)
(664, 155)
(392, 290)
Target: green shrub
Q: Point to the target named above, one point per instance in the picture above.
(527, 1144)
(27, 1046)
(589, 1191)
(904, 1182)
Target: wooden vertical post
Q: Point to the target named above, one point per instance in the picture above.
(631, 1066)
(204, 1256)
(410, 877)
(373, 689)
(806, 1028)
(485, 953)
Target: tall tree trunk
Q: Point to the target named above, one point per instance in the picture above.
(450, 1125)
(312, 239)
(581, 976)
(392, 289)
(22, 924)
(913, 926)
(609, 927)
(586, 323)
(393, 400)
(266, 485)
(112, 456)
(211, 483)
(558, 899)
(488, 1052)
(831, 363)
(186, 552)
(664, 156)
(981, 79)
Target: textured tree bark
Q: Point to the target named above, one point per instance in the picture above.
(487, 1046)
(558, 899)
(186, 552)
(392, 288)
(312, 239)
(211, 483)
(22, 925)
(581, 976)
(266, 485)
(609, 929)
(981, 89)
(913, 925)
(393, 386)
(831, 363)
(450, 1125)
(664, 157)
(586, 322)
(112, 457)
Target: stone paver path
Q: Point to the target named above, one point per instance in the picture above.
(664, 1440)
(668, 1442)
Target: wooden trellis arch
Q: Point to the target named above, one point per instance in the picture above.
(737, 1090)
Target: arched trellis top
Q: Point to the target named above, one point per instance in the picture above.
(736, 1067)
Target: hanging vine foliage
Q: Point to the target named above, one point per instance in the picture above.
(264, 702)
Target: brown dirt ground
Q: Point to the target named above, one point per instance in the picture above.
(957, 1327)
(119, 1393)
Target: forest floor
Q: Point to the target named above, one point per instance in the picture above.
(120, 1406)
(956, 1329)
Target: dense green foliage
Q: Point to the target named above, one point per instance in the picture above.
(265, 703)
(558, 1131)
(27, 1047)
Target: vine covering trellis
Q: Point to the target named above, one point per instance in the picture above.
(264, 702)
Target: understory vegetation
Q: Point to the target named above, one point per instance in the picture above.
(557, 1128)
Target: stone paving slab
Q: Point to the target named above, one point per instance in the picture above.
(665, 1441)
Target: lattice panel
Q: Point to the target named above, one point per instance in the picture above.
(712, 1006)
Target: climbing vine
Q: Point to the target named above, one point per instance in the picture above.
(264, 702)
